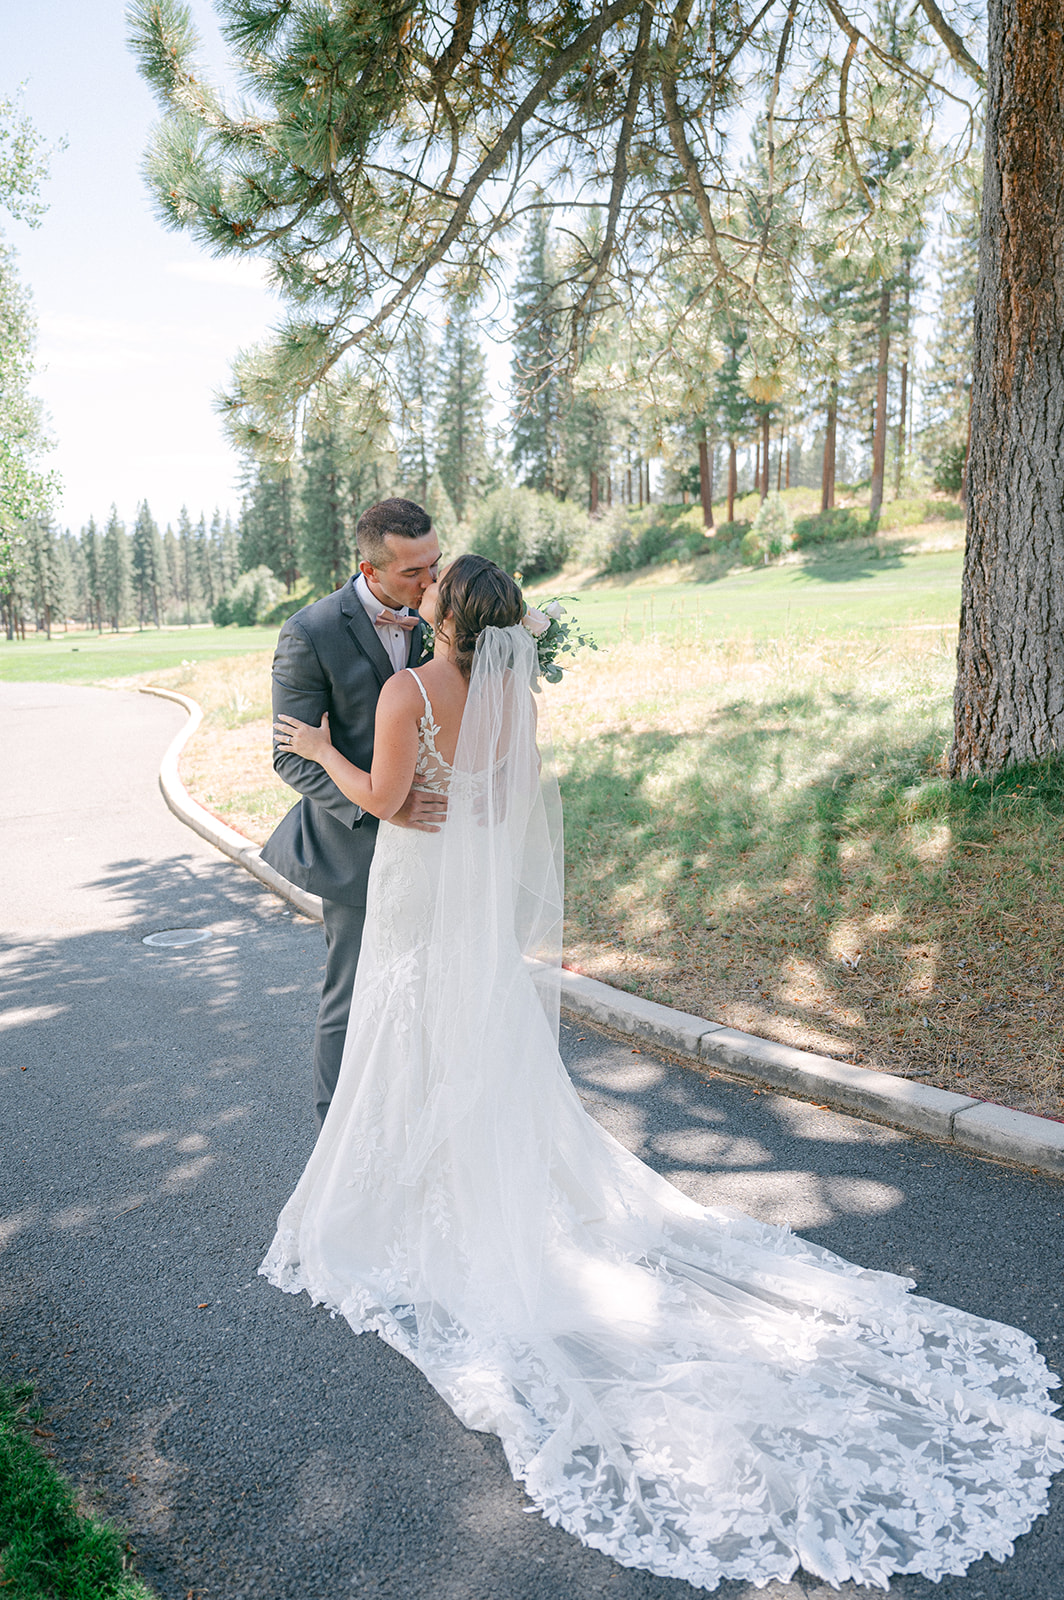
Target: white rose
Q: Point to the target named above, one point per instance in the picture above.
(536, 623)
(555, 609)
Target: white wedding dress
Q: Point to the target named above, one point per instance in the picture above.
(684, 1388)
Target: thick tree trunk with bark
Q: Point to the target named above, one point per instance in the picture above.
(705, 477)
(764, 454)
(1009, 699)
(879, 432)
(733, 479)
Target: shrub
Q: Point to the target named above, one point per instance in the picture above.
(526, 532)
(825, 527)
(772, 531)
(253, 594)
(731, 532)
(948, 470)
(287, 606)
(656, 533)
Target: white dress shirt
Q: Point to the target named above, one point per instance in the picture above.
(396, 641)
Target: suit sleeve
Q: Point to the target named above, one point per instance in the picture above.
(300, 690)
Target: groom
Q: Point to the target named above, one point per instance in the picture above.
(335, 656)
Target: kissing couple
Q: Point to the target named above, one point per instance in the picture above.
(689, 1390)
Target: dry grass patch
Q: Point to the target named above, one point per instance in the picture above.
(228, 764)
(762, 835)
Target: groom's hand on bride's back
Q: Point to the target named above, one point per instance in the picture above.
(425, 812)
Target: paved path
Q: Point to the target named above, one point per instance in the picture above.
(251, 1443)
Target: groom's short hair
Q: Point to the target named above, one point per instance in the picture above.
(402, 517)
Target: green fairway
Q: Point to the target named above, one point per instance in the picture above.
(90, 657)
(845, 590)
(840, 592)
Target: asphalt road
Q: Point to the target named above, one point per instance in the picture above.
(154, 1107)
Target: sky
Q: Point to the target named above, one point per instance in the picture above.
(136, 326)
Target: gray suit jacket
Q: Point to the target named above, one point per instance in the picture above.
(329, 658)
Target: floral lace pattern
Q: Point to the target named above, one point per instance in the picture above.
(693, 1392)
(432, 772)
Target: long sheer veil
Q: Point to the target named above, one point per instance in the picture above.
(499, 893)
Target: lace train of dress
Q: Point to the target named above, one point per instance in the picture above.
(686, 1389)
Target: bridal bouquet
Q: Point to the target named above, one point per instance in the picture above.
(554, 637)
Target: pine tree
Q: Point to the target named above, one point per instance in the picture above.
(947, 383)
(93, 557)
(206, 564)
(538, 391)
(67, 576)
(267, 535)
(172, 587)
(42, 585)
(733, 409)
(188, 577)
(147, 565)
(326, 532)
(115, 570)
(227, 541)
(461, 456)
(417, 374)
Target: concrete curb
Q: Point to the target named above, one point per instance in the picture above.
(209, 827)
(977, 1126)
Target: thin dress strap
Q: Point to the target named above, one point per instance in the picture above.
(428, 703)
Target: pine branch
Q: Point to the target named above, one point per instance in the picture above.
(620, 163)
(953, 42)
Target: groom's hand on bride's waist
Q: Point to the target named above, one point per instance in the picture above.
(426, 812)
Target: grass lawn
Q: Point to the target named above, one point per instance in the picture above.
(48, 1547)
(875, 586)
(759, 826)
(83, 657)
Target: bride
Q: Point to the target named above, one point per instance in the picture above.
(689, 1390)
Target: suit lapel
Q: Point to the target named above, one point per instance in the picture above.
(416, 644)
(364, 634)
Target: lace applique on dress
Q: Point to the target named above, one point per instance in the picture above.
(432, 774)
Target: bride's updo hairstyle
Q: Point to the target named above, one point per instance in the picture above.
(476, 594)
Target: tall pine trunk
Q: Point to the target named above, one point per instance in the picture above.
(764, 454)
(879, 433)
(733, 479)
(903, 401)
(827, 476)
(1009, 699)
(705, 477)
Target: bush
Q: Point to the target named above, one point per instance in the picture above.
(826, 527)
(654, 534)
(288, 605)
(731, 532)
(771, 533)
(527, 532)
(948, 470)
(253, 594)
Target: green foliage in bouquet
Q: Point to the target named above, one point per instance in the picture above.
(554, 637)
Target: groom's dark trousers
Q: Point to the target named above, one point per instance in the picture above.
(329, 658)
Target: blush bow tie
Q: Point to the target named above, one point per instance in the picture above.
(387, 618)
